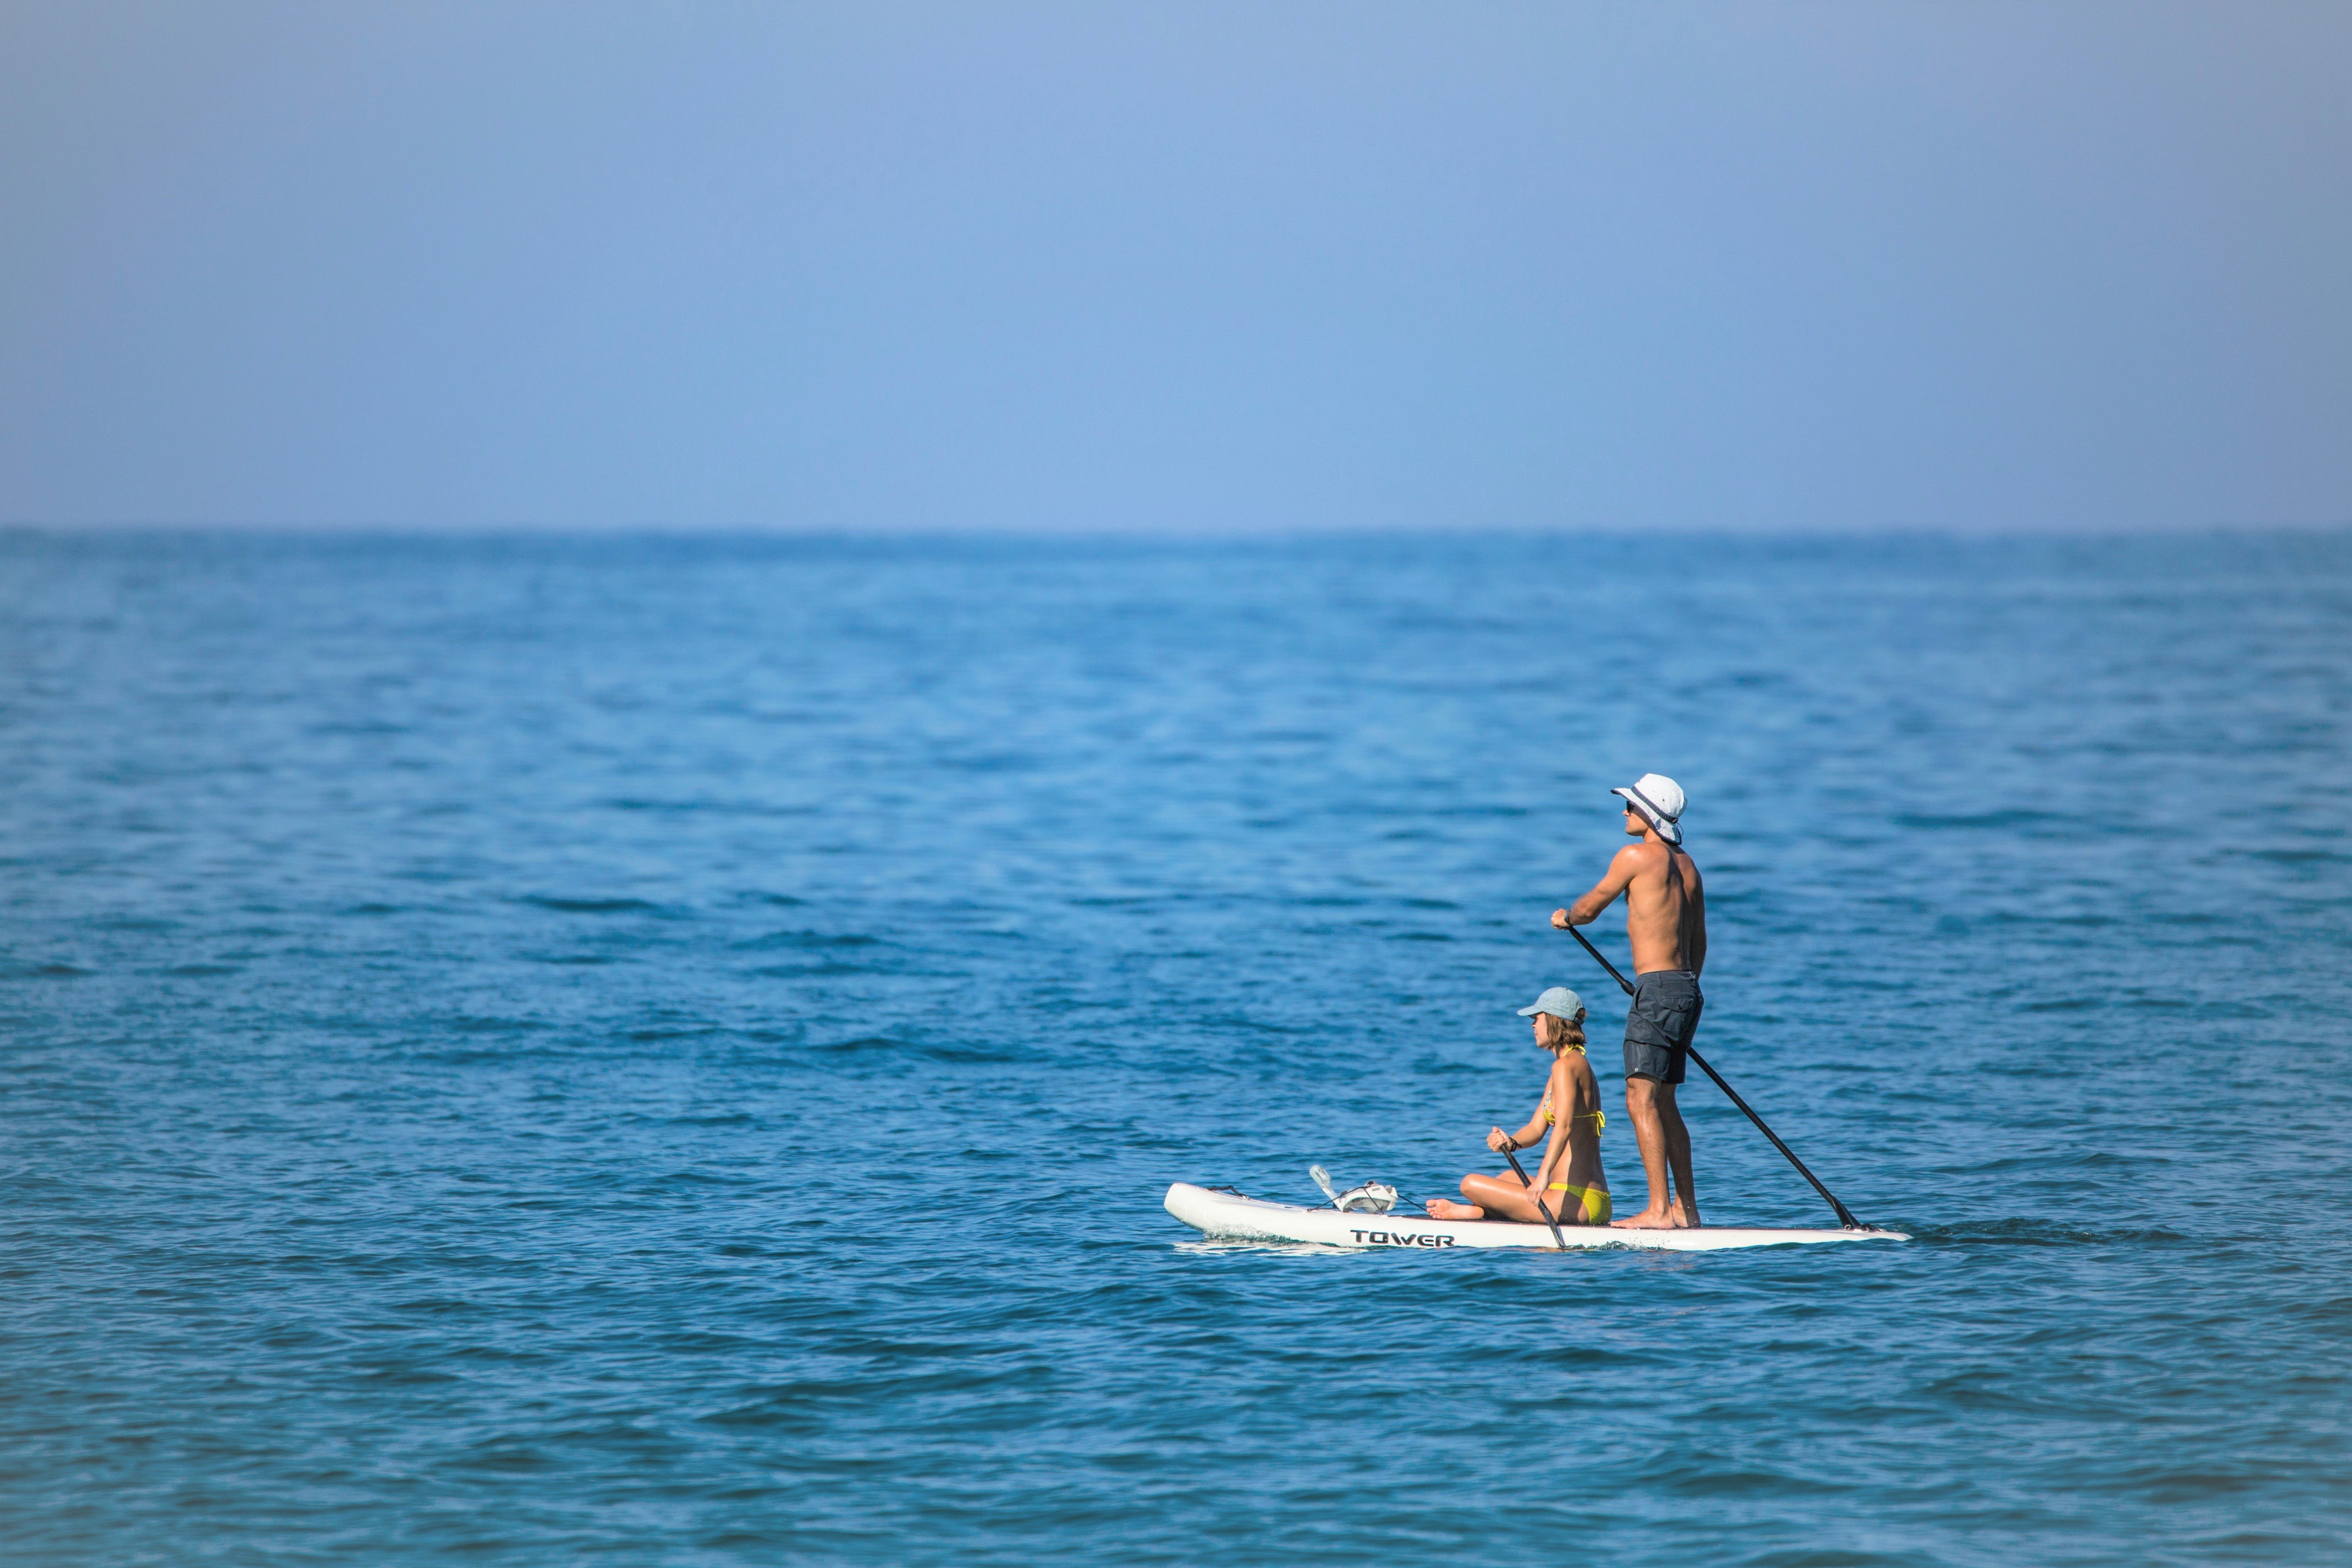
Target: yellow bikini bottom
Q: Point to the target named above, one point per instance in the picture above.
(1595, 1209)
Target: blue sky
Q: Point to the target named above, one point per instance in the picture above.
(1193, 269)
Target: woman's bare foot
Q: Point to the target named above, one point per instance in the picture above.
(1446, 1208)
(1648, 1219)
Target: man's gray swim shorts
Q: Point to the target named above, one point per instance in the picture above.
(1660, 1023)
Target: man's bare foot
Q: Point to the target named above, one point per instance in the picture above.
(1684, 1216)
(1648, 1219)
(1446, 1208)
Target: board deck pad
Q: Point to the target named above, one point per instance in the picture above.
(1227, 1213)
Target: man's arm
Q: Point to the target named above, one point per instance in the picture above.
(1587, 909)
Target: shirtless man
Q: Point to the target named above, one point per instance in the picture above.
(1665, 916)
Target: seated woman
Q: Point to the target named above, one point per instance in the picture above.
(1575, 1190)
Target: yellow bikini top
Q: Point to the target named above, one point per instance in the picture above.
(1596, 1118)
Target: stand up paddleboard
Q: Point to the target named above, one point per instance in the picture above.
(1223, 1213)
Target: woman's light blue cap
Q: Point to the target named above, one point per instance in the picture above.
(1560, 1002)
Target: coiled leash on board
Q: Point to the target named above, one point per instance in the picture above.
(1365, 1197)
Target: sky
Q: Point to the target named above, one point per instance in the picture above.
(1193, 268)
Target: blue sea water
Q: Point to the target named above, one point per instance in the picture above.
(639, 1050)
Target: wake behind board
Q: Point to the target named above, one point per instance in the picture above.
(1231, 1215)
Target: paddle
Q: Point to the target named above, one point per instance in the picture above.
(1558, 1239)
(1845, 1215)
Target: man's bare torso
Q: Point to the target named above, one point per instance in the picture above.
(1665, 916)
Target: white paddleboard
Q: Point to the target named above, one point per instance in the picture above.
(1231, 1215)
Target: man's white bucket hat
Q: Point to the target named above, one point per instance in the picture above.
(1560, 1002)
(1659, 800)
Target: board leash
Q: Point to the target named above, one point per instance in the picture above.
(1845, 1215)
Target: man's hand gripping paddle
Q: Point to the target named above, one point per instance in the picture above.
(1845, 1215)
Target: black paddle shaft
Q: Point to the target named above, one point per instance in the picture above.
(1845, 1215)
(1557, 1237)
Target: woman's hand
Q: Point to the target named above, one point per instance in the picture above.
(1500, 1141)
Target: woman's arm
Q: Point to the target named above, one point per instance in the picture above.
(1562, 1092)
(1525, 1138)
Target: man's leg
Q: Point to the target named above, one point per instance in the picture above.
(1642, 1095)
(1685, 1206)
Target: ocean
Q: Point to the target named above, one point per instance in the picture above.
(526, 1049)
